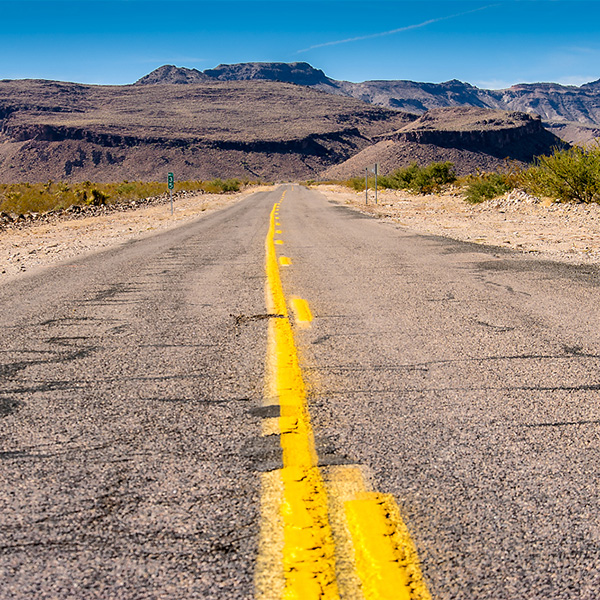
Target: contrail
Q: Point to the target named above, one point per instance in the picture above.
(392, 31)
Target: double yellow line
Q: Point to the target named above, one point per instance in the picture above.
(323, 534)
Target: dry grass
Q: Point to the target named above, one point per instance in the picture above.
(22, 198)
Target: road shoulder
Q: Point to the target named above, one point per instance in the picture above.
(562, 232)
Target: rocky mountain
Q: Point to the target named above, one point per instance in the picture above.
(471, 138)
(256, 129)
(173, 74)
(300, 73)
(578, 106)
(233, 121)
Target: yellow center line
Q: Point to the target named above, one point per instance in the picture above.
(308, 550)
(350, 543)
(284, 261)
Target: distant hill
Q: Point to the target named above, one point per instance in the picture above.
(556, 104)
(299, 73)
(254, 129)
(172, 74)
(235, 121)
(471, 138)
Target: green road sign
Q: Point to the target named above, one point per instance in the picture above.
(171, 180)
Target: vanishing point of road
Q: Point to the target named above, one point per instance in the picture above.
(289, 399)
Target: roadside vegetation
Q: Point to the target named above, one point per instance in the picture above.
(486, 186)
(571, 175)
(423, 180)
(567, 175)
(23, 198)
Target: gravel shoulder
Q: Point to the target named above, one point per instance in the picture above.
(563, 232)
(27, 249)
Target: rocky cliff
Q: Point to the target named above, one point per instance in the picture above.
(471, 138)
(299, 73)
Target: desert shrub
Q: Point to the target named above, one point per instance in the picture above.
(218, 186)
(96, 197)
(487, 186)
(401, 179)
(22, 198)
(433, 177)
(231, 185)
(421, 179)
(126, 189)
(355, 183)
(571, 175)
(418, 179)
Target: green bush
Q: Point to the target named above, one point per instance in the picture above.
(418, 179)
(356, 183)
(487, 186)
(96, 198)
(218, 186)
(571, 175)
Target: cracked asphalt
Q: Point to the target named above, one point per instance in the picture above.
(466, 381)
(127, 454)
(463, 379)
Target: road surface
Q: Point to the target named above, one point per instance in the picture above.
(142, 436)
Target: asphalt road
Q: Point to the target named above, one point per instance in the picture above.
(462, 380)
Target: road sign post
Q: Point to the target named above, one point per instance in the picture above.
(171, 184)
(374, 169)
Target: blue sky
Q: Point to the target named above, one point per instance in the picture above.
(489, 44)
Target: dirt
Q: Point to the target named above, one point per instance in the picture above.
(26, 249)
(564, 232)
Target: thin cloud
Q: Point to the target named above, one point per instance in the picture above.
(393, 31)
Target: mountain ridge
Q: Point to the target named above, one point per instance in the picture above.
(552, 101)
(251, 128)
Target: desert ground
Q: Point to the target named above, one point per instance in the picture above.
(555, 231)
(562, 232)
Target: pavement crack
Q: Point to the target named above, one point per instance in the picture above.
(239, 319)
(563, 423)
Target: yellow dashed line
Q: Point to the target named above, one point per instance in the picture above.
(284, 261)
(302, 312)
(308, 549)
(279, 242)
(377, 559)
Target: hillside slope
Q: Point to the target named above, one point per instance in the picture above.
(471, 138)
(258, 129)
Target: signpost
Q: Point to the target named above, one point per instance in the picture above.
(374, 169)
(171, 184)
